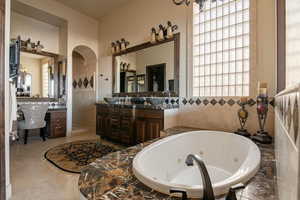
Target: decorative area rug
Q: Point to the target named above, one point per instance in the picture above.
(74, 156)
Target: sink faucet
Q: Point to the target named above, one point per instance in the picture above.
(208, 193)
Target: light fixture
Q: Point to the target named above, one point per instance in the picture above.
(180, 2)
(187, 2)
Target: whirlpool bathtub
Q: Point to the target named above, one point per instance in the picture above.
(229, 158)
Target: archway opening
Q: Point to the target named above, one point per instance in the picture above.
(84, 92)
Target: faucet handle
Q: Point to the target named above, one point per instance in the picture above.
(183, 192)
(232, 191)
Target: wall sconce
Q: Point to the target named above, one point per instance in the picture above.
(187, 2)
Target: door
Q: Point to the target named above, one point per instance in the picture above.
(141, 126)
(2, 99)
(154, 126)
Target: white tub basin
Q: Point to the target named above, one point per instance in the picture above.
(230, 159)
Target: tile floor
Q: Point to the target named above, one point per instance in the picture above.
(34, 178)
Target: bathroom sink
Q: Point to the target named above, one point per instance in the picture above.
(111, 100)
(229, 158)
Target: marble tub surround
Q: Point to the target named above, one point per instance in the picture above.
(287, 143)
(111, 177)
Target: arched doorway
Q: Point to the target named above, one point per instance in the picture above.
(84, 92)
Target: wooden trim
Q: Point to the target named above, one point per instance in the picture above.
(176, 40)
(281, 45)
(2, 100)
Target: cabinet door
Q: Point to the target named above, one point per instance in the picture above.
(141, 125)
(154, 126)
(100, 125)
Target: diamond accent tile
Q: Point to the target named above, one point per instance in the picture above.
(222, 102)
(173, 101)
(85, 82)
(213, 102)
(296, 119)
(205, 102)
(74, 84)
(231, 102)
(289, 115)
(191, 101)
(251, 102)
(92, 81)
(184, 101)
(198, 101)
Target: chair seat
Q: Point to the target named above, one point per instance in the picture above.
(23, 125)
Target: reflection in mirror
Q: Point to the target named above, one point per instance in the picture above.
(36, 77)
(147, 70)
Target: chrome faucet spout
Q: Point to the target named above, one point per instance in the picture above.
(208, 193)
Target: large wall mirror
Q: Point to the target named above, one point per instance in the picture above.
(148, 69)
(41, 75)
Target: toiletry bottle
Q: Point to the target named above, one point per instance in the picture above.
(113, 48)
(118, 46)
(123, 44)
(169, 30)
(153, 36)
(161, 33)
(28, 44)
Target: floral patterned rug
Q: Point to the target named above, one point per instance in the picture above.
(74, 156)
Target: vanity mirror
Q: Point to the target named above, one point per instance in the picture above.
(148, 69)
(41, 75)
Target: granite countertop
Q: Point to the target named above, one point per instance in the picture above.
(142, 106)
(111, 177)
(57, 107)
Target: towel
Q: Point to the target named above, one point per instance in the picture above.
(13, 109)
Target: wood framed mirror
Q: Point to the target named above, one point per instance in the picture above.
(42, 74)
(148, 69)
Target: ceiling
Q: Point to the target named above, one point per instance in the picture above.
(93, 8)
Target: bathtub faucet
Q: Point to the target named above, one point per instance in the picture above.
(208, 193)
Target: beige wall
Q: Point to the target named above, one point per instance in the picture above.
(293, 42)
(34, 68)
(133, 22)
(81, 30)
(123, 23)
(27, 27)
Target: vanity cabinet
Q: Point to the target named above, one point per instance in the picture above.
(56, 123)
(127, 125)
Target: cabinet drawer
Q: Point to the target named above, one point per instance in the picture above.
(126, 112)
(58, 115)
(153, 114)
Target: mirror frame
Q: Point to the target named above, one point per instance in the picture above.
(56, 58)
(146, 45)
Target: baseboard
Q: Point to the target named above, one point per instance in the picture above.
(8, 191)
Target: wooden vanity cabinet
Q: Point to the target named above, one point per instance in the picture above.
(128, 126)
(56, 123)
(102, 121)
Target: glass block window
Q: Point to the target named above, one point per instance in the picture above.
(221, 53)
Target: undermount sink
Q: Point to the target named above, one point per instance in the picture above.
(230, 160)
